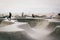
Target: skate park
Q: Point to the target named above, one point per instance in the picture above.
(31, 29)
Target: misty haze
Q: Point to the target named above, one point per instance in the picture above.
(29, 19)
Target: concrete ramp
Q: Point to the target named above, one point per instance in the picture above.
(55, 33)
(31, 30)
(13, 32)
(42, 24)
(53, 23)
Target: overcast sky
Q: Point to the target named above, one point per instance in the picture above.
(30, 5)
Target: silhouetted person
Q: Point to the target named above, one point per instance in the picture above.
(22, 14)
(33, 15)
(9, 17)
(58, 14)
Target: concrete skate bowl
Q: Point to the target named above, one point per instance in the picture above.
(42, 33)
(44, 24)
(52, 25)
(20, 31)
(55, 34)
(26, 27)
(30, 21)
(38, 23)
(5, 23)
(33, 22)
(12, 32)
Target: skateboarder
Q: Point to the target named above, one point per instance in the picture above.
(9, 17)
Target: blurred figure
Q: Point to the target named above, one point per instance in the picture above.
(33, 15)
(22, 14)
(9, 17)
(58, 14)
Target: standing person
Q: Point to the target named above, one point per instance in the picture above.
(22, 14)
(33, 15)
(9, 17)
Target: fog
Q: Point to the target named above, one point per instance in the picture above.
(30, 6)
